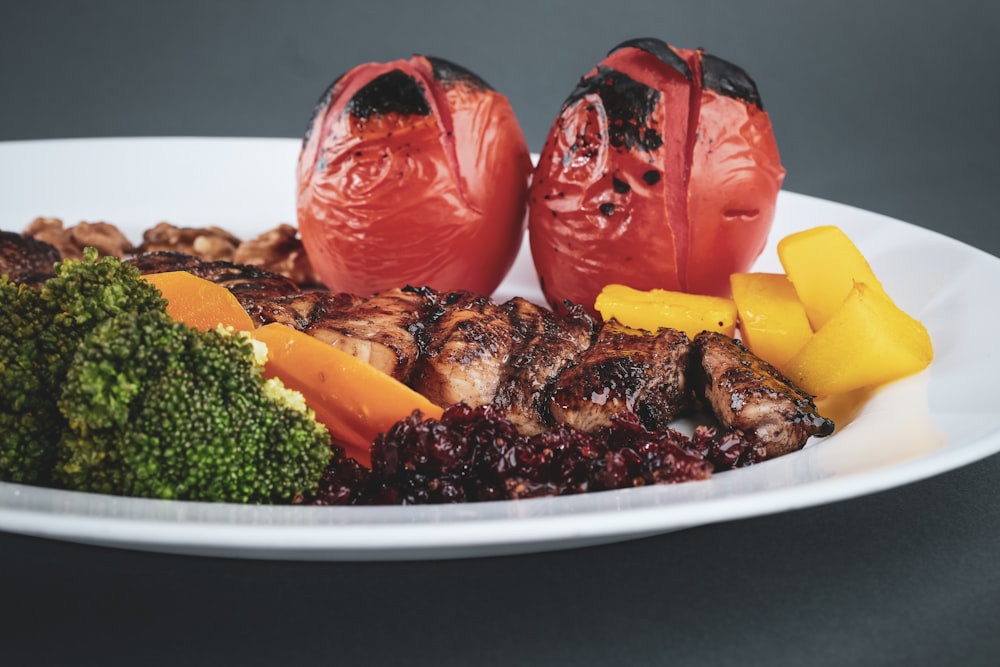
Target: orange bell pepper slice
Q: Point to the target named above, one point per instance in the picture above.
(351, 397)
(200, 303)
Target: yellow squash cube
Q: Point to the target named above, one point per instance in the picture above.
(656, 308)
(823, 265)
(773, 322)
(868, 341)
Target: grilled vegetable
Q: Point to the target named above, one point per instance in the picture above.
(199, 302)
(412, 172)
(868, 341)
(661, 171)
(653, 309)
(354, 400)
(823, 264)
(773, 322)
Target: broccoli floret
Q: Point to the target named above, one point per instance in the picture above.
(37, 344)
(103, 391)
(158, 409)
(29, 420)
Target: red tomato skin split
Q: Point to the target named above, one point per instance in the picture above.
(412, 172)
(661, 171)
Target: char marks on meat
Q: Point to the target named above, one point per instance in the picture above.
(26, 259)
(468, 342)
(748, 394)
(380, 330)
(547, 343)
(249, 284)
(625, 370)
(541, 369)
(302, 309)
(553, 379)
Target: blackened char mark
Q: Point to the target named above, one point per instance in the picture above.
(469, 339)
(449, 74)
(749, 394)
(660, 49)
(630, 107)
(392, 92)
(320, 107)
(728, 79)
(248, 284)
(378, 330)
(546, 343)
(624, 371)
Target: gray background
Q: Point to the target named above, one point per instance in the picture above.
(890, 106)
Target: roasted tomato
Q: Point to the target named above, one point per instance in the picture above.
(412, 172)
(661, 171)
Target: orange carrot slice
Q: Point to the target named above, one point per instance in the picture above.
(200, 303)
(351, 397)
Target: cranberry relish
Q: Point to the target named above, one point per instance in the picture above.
(476, 454)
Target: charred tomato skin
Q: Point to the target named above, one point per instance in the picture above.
(412, 172)
(659, 172)
(736, 175)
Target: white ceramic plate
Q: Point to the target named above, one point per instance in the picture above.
(938, 420)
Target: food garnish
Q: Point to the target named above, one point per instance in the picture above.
(354, 400)
(868, 341)
(823, 264)
(412, 172)
(828, 323)
(651, 309)
(106, 392)
(200, 303)
(376, 371)
(862, 338)
(661, 171)
(773, 322)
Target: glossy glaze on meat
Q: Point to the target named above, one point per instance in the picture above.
(625, 370)
(380, 329)
(249, 284)
(547, 343)
(748, 394)
(540, 368)
(469, 340)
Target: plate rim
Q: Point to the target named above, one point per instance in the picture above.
(29, 510)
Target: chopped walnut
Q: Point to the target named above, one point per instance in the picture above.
(71, 241)
(208, 243)
(280, 251)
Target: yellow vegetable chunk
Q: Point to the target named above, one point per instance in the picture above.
(823, 265)
(656, 308)
(773, 322)
(868, 341)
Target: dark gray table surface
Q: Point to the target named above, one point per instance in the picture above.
(889, 106)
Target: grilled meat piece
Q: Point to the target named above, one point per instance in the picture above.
(547, 344)
(466, 342)
(302, 309)
(163, 261)
(26, 259)
(625, 370)
(248, 284)
(381, 330)
(749, 394)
